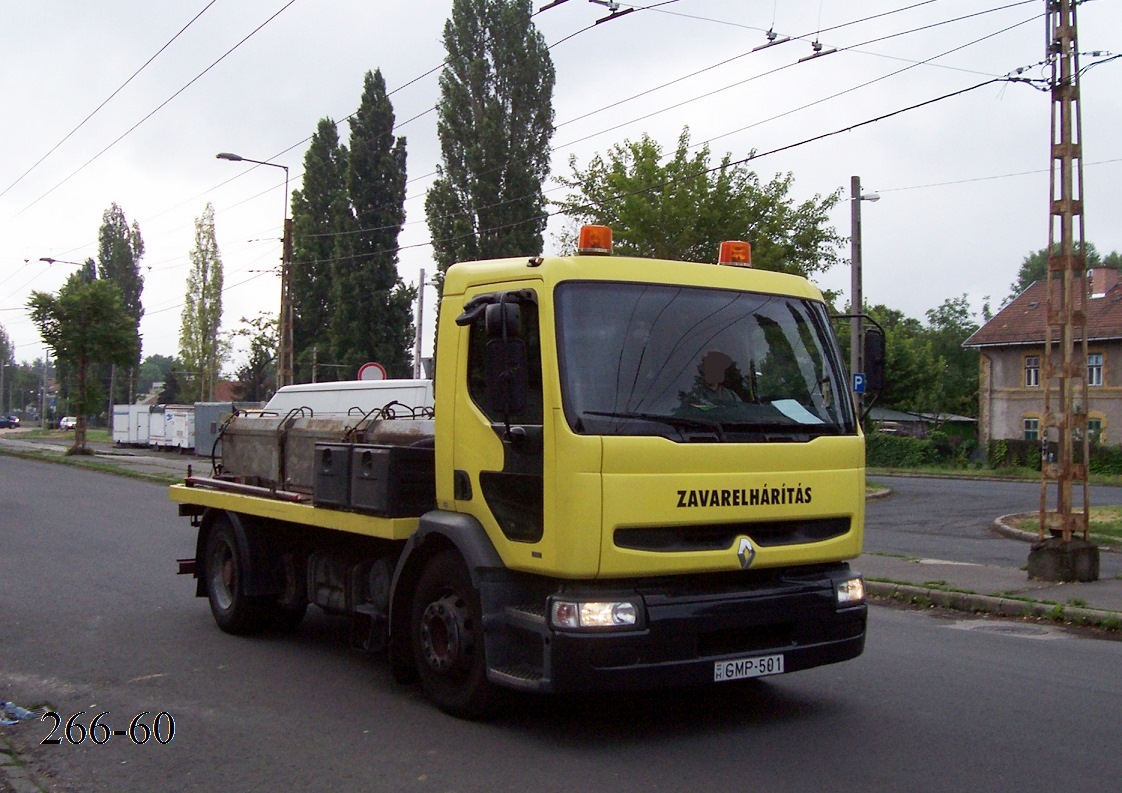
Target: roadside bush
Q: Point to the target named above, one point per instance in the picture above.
(1011, 453)
(898, 451)
(1106, 459)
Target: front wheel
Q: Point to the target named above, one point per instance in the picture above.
(446, 629)
(224, 570)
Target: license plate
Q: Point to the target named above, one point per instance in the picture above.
(748, 667)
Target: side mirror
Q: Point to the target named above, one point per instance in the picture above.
(503, 321)
(505, 364)
(875, 360)
(504, 360)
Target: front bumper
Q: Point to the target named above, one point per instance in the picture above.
(689, 626)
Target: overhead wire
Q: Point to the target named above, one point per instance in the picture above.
(751, 157)
(683, 103)
(754, 156)
(108, 99)
(159, 107)
(688, 101)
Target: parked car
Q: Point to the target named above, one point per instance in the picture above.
(67, 423)
(9, 422)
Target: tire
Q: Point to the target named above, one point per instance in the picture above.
(233, 611)
(446, 630)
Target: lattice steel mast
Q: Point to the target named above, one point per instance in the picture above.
(1064, 431)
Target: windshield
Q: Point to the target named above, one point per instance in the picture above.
(697, 364)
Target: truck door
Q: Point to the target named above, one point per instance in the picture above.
(505, 450)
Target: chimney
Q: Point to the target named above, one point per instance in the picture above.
(1103, 279)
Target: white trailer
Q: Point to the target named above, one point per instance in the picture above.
(131, 424)
(121, 424)
(158, 430)
(180, 423)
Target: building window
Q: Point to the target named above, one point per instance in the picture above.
(1032, 429)
(1095, 430)
(1095, 368)
(1032, 371)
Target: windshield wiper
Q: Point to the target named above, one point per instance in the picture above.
(677, 422)
(781, 429)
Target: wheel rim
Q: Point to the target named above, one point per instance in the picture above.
(224, 581)
(446, 639)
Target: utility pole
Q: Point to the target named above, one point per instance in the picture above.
(43, 392)
(1065, 445)
(284, 370)
(284, 320)
(856, 296)
(417, 368)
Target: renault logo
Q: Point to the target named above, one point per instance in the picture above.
(746, 553)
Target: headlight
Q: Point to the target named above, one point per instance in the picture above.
(577, 614)
(850, 592)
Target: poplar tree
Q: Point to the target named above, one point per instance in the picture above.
(319, 212)
(119, 250)
(372, 316)
(495, 123)
(200, 347)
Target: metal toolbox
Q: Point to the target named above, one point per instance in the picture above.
(393, 481)
(332, 479)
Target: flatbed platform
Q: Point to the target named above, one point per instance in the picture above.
(293, 512)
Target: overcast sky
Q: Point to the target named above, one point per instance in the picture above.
(963, 181)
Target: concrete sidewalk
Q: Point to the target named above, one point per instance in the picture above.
(1002, 591)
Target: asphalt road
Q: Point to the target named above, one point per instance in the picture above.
(951, 519)
(93, 618)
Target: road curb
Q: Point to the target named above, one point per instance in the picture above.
(1002, 527)
(990, 604)
(15, 774)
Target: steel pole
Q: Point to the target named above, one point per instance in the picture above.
(856, 299)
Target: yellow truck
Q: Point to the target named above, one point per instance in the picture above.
(632, 474)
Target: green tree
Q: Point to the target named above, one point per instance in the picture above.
(1034, 267)
(684, 208)
(371, 312)
(7, 371)
(495, 123)
(915, 373)
(949, 325)
(7, 351)
(153, 369)
(257, 376)
(173, 386)
(320, 212)
(201, 348)
(84, 324)
(119, 250)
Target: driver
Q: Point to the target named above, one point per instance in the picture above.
(711, 389)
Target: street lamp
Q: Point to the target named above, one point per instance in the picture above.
(856, 299)
(52, 260)
(284, 321)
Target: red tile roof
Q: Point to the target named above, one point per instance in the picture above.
(1023, 320)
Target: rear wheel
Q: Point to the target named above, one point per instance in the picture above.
(234, 611)
(446, 628)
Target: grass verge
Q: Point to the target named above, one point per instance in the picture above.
(91, 463)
